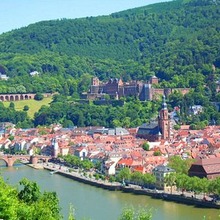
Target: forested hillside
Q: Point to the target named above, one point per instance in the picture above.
(176, 41)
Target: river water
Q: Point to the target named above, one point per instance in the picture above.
(94, 203)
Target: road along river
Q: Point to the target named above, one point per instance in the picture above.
(98, 204)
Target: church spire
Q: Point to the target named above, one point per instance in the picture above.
(164, 122)
(164, 104)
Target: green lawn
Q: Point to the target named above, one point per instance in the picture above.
(33, 105)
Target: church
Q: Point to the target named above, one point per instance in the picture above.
(158, 129)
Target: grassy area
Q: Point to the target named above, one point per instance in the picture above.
(33, 105)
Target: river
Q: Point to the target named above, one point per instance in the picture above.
(98, 204)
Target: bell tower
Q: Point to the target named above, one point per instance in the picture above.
(164, 121)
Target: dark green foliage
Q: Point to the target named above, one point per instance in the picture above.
(174, 40)
(157, 153)
(10, 115)
(75, 161)
(12, 105)
(146, 146)
(131, 114)
(26, 108)
(28, 203)
(11, 138)
(180, 165)
(30, 192)
(38, 96)
(176, 127)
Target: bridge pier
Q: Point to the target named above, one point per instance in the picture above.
(10, 161)
(34, 159)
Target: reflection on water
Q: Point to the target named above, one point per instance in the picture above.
(98, 204)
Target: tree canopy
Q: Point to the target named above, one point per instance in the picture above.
(177, 41)
(28, 203)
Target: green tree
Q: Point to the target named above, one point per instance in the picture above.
(137, 178)
(87, 164)
(26, 108)
(12, 105)
(180, 165)
(8, 201)
(149, 179)
(170, 180)
(28, 203)
(157, 153)
(146, 146)
(38, 96)
(21, 89)
(131, 214)
(124, 174)
(30, 192)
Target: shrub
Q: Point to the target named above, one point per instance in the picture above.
(38, 96)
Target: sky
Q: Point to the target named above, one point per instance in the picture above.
(20, 13)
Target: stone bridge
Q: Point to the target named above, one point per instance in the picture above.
(18, 97)
(10, 159)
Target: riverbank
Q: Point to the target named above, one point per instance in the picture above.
(177, 197)
(38, 166)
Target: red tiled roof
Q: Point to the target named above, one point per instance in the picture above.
(140, 169)
(126, 162)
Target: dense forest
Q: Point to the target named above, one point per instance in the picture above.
(177, 41)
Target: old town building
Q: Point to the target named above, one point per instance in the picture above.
(157, 129)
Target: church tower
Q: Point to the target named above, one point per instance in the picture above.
(164, 121)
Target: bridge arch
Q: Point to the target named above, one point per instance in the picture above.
(11, 98)
(10, 159)
(16, 97)
(2, 98)
(4, 161)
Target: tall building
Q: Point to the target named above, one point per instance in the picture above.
(164, 121)
(156, 130)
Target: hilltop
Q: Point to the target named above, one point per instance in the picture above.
(164, 39)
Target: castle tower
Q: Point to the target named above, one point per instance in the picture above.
(164, 121)
(95, 81)
(94, 88)
(154, 80)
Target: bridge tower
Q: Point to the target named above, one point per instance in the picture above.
(55, 146)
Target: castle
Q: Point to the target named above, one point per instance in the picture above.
(116, 89)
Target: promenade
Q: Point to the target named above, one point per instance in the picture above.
(65, 171)
(186, 198)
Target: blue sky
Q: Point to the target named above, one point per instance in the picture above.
(19, 13)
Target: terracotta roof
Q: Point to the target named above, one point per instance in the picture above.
(126, 162)
(208, 161)
(140, 169)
